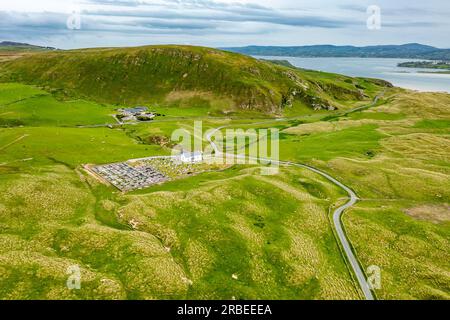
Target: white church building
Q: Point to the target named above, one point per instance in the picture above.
(191, 157)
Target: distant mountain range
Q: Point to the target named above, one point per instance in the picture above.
(19, 46)
(407, 51)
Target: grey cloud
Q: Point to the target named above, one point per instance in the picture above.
(38, 25)
(396, 10)
(219, 11)
(328, 21)
(127, 3)
(186, 17)
(231, 16)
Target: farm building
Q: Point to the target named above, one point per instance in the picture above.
(134, 111)
(137, 113)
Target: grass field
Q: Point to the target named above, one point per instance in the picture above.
(225, 234)
(403, 223)
(218, 235)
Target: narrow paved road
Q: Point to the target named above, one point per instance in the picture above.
(12, 142)
(337, 214)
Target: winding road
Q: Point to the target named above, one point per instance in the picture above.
(337, 214)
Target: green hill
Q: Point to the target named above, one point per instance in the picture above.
(13, 50)
(185, 76)
(19, 47)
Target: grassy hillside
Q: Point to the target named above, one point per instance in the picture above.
(18, 46)
(217, 235)
(224, 234)
(227, 234)
(396, 157)
(13, 50)
(184, 76)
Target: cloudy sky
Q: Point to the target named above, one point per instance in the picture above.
(91, 23)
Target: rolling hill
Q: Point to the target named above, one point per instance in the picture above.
(169, 241)
(10, 50)
(19, 46)
(409, 51)
(185, 76)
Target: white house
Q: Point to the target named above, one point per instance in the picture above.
(191, 157)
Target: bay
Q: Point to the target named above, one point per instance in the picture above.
(380, 68)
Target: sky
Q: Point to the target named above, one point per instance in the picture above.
(68, 24)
